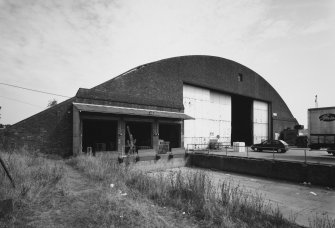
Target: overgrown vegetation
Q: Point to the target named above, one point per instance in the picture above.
(50, 193)
(193, 195)
(34, 178)
(322, 220)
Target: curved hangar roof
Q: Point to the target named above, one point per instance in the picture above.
(160, 84)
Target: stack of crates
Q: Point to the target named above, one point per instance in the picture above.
(239, 146)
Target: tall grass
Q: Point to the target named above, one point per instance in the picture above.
(322, 220)
(102, 168)
(193, 194)
(225, 205)
(33, 175)
(116, 206)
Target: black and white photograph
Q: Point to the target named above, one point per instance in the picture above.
(167, 113)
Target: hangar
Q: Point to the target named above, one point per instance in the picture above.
(177, 101)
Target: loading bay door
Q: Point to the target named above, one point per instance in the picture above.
(260, 121)
(228, 118)
(212, 113)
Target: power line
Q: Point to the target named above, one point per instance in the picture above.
(23, 102)
(34, 90)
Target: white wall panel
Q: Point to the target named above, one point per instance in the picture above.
(320, 127)
(260, 121)
(212, 113)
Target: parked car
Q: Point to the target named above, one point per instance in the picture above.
(331, 150)
(279, 146)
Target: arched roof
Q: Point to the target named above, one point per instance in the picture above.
(160, 83)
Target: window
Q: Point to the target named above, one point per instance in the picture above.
(240, 77)
(267, 142)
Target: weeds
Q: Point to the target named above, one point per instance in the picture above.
(196, 195)
(33, 175)
(322, 220)
(226, 205)
(99, 204)
(118, 205)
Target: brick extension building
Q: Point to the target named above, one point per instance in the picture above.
(182, 100)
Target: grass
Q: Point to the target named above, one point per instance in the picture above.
(191, 194)
(223, 206)
(50, 193)
(322, 220)
(121, 206)
(31, 173)
(34, 177)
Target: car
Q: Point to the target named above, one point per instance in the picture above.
(331, 150)
(279, 146)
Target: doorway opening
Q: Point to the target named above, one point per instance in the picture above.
(170, 133)
(141, 131)
(99, 135)
(242, 120)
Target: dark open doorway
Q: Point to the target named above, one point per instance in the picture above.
(141, 131)
(241, 120)
(170, 133)
(100, 135)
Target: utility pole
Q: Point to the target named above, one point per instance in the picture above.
(316, 101)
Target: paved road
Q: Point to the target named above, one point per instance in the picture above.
(314, 156)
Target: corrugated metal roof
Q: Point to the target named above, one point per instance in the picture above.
(130, 111)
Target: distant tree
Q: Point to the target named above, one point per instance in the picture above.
(52, 103)
(1, 126)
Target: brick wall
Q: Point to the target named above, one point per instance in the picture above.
(49, 131)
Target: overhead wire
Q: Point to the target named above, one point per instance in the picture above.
(33, 90)
(23, 102)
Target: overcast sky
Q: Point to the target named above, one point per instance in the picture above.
(59, 46)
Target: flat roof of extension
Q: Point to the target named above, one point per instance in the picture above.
(322, 108)
(130, 111)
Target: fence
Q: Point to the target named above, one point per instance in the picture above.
(305, 155)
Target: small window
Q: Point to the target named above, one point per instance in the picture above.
(240, 77)
(266, 142)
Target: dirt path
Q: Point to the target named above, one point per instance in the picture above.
(82, 202)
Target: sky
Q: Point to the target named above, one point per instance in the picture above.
(59, 46)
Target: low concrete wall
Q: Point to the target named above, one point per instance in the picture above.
(317, 174)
